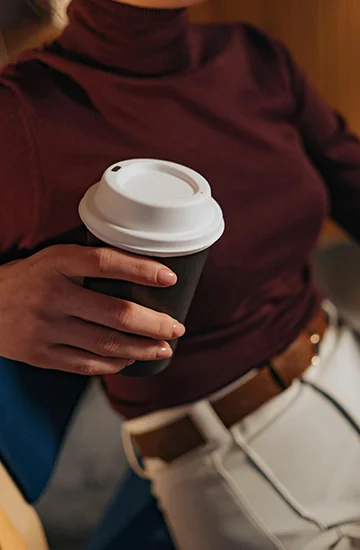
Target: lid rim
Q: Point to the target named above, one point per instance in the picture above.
(191, 241)
(159, 253)
(148, 229)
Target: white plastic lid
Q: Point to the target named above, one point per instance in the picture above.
(153, 208)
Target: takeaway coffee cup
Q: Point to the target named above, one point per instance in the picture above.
(161, 210)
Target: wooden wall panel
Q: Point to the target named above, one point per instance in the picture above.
(323, 35)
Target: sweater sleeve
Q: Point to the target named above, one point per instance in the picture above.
(333, 148)
(19, 175)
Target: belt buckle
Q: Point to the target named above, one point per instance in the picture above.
(315, 339)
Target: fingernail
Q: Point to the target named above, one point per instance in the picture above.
(178, 330)
(164, 352)
(166, 277)
(129, 363)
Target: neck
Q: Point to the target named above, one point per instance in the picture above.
(130, 39)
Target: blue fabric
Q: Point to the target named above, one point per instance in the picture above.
(133, 521)
(35, 409)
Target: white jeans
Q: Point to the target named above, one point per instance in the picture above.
(286, 477)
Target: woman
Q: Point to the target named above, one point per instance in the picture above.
(250, 437)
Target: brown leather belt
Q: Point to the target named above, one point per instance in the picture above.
(182, 436)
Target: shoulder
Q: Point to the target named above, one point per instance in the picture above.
(23, 80)
(30, 92)
(17, 114)
(19, 193)
(18, 85)
(9, 104)
(260, 48)
(254, 39)
(257, 41)
(252, 48)
(13, 115)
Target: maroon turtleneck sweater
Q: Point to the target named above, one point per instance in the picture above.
(227, 101)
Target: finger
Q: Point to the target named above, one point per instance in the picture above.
(106, 342)
(76, 261)
(68, 359)
(121, 315)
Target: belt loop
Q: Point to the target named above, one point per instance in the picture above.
(130, 453)
(210, 425)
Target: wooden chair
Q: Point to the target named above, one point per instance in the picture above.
(20, 527)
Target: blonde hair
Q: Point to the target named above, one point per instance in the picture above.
(53, 11)
(51, 16)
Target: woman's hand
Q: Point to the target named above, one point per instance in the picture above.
(47, 318)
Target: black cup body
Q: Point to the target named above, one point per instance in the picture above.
(175, 301)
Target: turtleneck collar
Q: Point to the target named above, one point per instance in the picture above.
(138, 41)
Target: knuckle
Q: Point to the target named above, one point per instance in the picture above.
(47, 259)
(48, 252)
(60, 249)
(100, 259)
(144, 352)
(151, 354)
(144, 271)
(57, 250)
(41, 256)
(126, 315)
(121, 364)
(108, 343)
(165, 326)
(90, 368)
